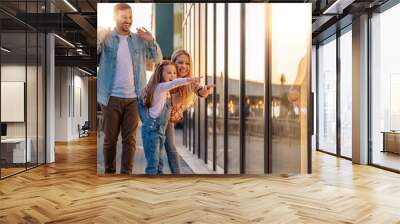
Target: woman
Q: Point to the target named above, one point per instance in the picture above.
(182, 98)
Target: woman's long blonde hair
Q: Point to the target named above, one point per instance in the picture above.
(156, 78)
(186, 92)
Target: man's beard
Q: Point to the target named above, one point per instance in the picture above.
(125, 28)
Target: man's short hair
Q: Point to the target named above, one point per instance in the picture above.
(120, 7)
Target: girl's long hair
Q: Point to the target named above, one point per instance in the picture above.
(156, 78)
(187, 91)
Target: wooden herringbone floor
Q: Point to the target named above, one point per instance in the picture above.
(70, 191)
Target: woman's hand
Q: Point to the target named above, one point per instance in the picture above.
(210, 88)
(206, 90)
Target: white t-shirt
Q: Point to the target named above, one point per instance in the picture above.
(123, 84)
(162, 92)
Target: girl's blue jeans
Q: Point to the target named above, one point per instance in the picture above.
(153, 137)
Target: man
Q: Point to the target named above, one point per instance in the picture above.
(121, 76)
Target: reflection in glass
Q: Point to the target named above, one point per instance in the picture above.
(290, 55)
(345, 94)
(254, 100)
(192, 51)
(289, 73)
(210, 77)
(14, 153)
(233, 88)
(196, 72)
(327, 96)
(202, 73)
(22, 92)
(220, 62)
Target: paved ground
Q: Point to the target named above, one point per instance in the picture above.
(140, 161)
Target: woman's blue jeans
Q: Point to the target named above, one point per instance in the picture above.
(170, 149)
(153, 137)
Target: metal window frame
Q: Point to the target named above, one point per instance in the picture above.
(317, 96)
(369, 100)
(189, 24)
(338, 152)
(37, 93)
(242, 94)
(206, 82)
(386, 6)
(198, 60)
(242, 89)
(193, 54)
(0, 90)
(194, 130)
(225, 89)
(26, 89)
(214, 96)
(338, 95)
(267, 97)
(193, 46)
(310, 118)
(44, 72)
(45, 90)
(185, 40)
(73, 91)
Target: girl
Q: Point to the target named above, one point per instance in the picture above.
(182, 98)
(154, 110)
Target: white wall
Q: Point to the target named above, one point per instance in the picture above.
(79, 117)
(12, 73)
(61, 103)
(71, 94)
(33, 127)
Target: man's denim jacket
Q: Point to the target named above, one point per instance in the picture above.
(140, 51)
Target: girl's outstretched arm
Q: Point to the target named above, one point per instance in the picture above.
(167, 86)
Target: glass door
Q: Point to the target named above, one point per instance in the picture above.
(346, 93)
(326, 99)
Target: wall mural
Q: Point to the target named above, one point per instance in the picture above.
(217, 104)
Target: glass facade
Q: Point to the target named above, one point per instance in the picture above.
(196, 70)
(210, 50)
(290, 59)
(203, 72)
(254, 101)
(346, 92)
(385, 88)
(22, 77)
(220, 76)
(327, 94)
(376, 58)
(240, 136)
(233, 75)
(334, 94)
